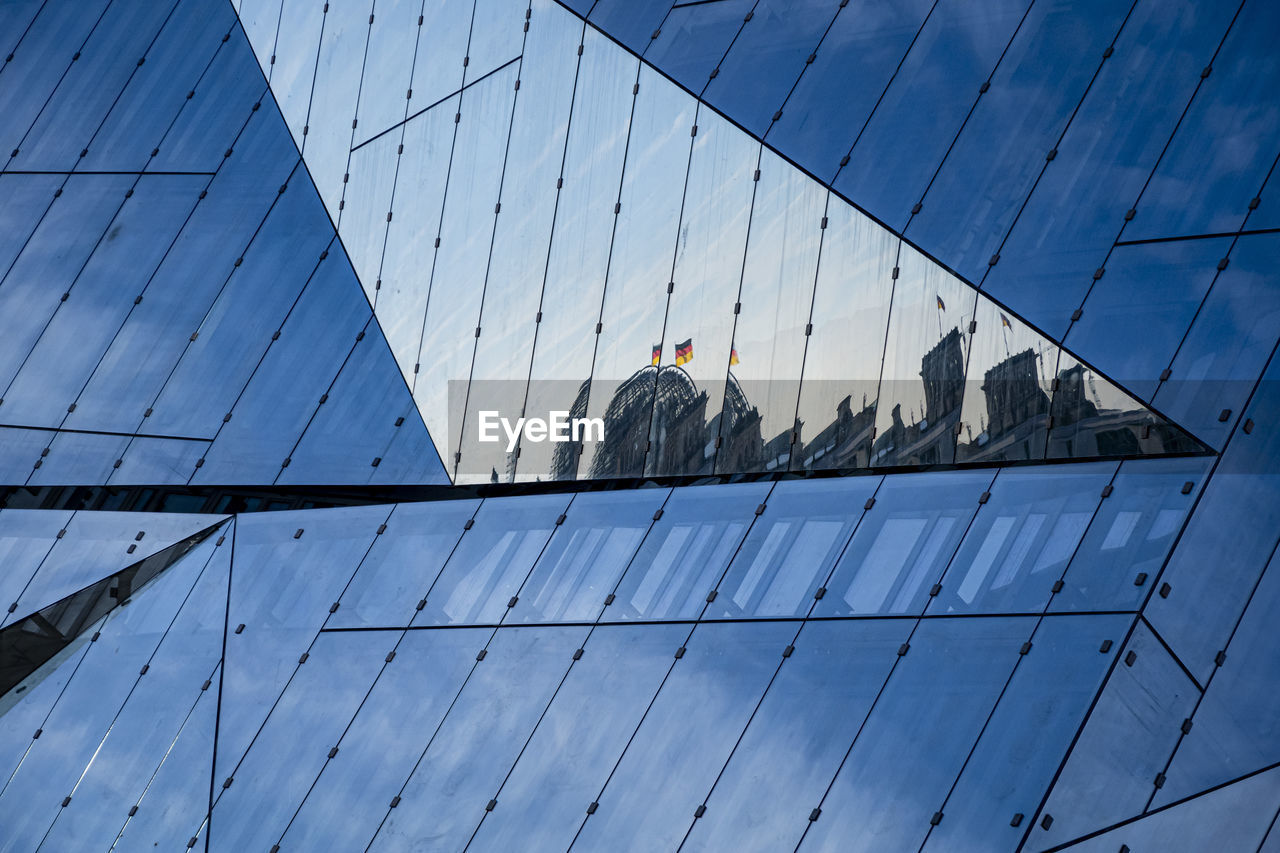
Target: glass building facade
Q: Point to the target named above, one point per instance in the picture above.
(934, 347)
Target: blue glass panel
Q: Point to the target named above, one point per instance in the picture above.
(26, 708)
(96, 545)
(291, 60)
(767, 58)
(467, 756)
(644, 244)
(87, 59)
(903, 543)
(1131, 533)
(918, 734)
(686, 736)
(306, 722)
(100, 297)
(1236, 725)
(74, 729)
(209, 121)
(174, 792)
(281, 588)
(686, 552)
(23, 199)
(90, 458)
(794, 742)
(1151, 291)
(925, 102)
(694, 38)
(791, 549)
(987, 174)
(1126, 741)
(1225, 532)
(708, 272)
(1236, 817)
(1005, 411)
(156, 93)
(583, 732)
(578, 260)
(842, 361)
(497, 33)
(1225, 144)
(260, 19)
(281, 395)
(347, 440)
(1027, 735)
(393, 37)
(1228, 343)
(155, 712)
(631, 22)
(590, 551)
(15, 18)
(493, 560)
(442, 45)
(445, 334)
(922, 381)
(344, 808)
(825, 114)
(513, 286)
(58, 246)
(402, 564)
(21, 446)
(26, 536)
(1077, 209)
(1022, 538)
(775, 298)
(410, 456)
(157, 332)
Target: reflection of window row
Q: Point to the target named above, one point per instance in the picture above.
(946, 542)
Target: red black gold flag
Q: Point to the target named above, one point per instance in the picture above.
(942, 306)
(733, 356)
(1004, 321)
(657, 355)
(684, 352)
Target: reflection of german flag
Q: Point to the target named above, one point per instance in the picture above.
(1004, 321)
(942, 306)
(657, 355)
(733, 356)
(684, 352)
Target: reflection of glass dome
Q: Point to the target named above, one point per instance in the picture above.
(627, 418)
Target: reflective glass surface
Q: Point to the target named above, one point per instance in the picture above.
(904, 543)
(922, 380)
(1063, 234)
(1226, 347)
(694, 39)
(26, 537)
(691, 387)
(765, 358)
(836, 412)
(492, 560)
(632, 22)
(791, 549)
(585, 729)
(917, 735)
(767, 58)
(1235, 725)
(686, 735)
(1130, 535)
(587, 556)
(475, 746)
(1019, 750)
(1040, 79)
(1126, 741)
(1233, 530)
(1152, 290)
(794, 742)
(686, 552)
(824, 115)
(1022, 539)
(343, 809)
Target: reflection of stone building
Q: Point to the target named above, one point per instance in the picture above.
(1013, 393)
(930, 440)
(942, 370)
(844, 443)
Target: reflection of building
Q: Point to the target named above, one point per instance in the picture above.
(942, 370)
(1013, 393)
(929, 440)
